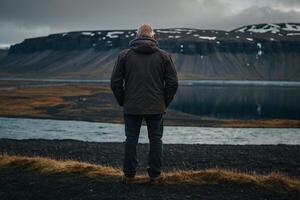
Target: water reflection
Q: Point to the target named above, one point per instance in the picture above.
(242, 102)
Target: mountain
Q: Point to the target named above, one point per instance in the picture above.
(254, 52)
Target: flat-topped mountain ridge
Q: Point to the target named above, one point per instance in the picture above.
(253, 52)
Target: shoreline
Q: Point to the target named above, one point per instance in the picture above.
(213, 123)
(182, 81)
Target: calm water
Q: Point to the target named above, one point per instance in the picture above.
(239, 101)
(18, 128)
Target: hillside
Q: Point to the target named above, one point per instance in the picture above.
(256, 52)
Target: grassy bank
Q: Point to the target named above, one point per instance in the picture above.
(274, 182)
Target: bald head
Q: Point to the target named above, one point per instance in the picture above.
(145, 30)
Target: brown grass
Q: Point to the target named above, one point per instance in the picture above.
(28, 101)
(274, 181)
(50, 166)
(27, 106)
(60, 90)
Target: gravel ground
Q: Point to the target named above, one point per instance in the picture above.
(24, 184)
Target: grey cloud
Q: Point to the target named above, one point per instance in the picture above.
(255, 15)
(88, 13)
(20, 19)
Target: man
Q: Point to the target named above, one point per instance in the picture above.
(144, 81)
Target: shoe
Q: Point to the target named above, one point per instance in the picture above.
(127, 179)
(156, 179)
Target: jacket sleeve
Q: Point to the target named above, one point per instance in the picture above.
(171, 81)
(117, 80)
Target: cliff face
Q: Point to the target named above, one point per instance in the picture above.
(262, 52)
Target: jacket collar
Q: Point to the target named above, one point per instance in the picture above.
(142, 39)
(144, 44)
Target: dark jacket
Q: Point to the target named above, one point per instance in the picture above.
(144, 79)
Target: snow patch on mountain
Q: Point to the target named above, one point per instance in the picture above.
(292, 27)
(114, 34)
(270, 28)
(174, 36)
(292, 34)
(259, 45)
(207, 37)
(87, 33)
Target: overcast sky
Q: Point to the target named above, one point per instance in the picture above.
(20, 19)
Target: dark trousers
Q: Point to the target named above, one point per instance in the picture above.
(155, 132)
